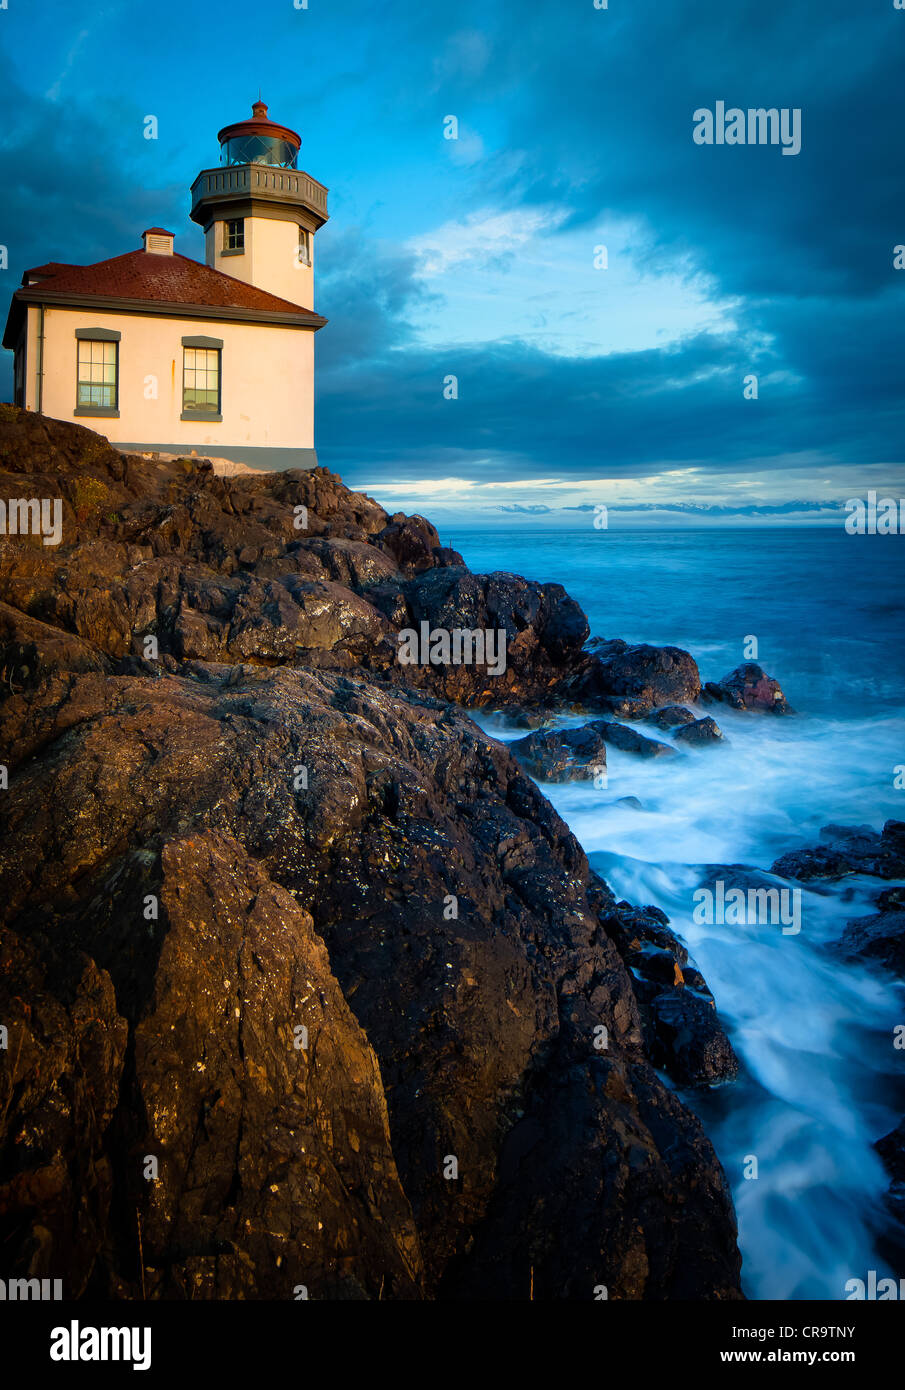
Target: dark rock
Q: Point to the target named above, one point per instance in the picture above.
(891, 1149)
(629, 740)
(878, 938)
(275, 622)
(481, 1029)
(848, 850)
(544, 633)
(635, 680)
(671, 716)
(59, 1090)
(524, 717)
(561, 755)
(743, 876)
(701, 733)
(681, 1027)
(695, 1048)
(565, 755)
(410, 541)
(264, 827)
(748, 687)
(30, 651)
(356, 564)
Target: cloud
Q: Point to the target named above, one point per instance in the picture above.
(485, 238)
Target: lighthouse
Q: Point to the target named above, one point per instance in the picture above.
(259, 211)
(167, 354)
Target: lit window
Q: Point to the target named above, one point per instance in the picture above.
(201, 380)
(97, 380)
(234, 239)
(304, 247)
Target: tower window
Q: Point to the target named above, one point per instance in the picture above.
(200, 382)
(259, 149)
(98, 375)
(234, 235)
(304, 246)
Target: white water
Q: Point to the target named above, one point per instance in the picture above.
(820, 1077)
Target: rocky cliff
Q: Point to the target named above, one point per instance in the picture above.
(306, 987)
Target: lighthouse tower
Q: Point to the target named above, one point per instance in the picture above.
(259, 211)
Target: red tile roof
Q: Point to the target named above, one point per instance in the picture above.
(51, 268)
(143, 275)
(157, 231)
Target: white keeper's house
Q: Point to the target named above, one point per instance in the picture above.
(160, 352)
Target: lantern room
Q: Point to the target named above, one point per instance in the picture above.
(259, 141)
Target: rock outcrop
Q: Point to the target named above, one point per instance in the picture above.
(748, 687)
(699, 733)
(671, 716)
(565, 755)
(682, 1030)
(633, 681)
(880, 937)
(891, 1149)
(305, 983)
(848, 849)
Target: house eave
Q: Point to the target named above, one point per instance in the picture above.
(303, 318)
(13, 323)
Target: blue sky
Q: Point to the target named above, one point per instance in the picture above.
(475, 257)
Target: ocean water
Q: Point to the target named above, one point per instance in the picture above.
(821, 1079)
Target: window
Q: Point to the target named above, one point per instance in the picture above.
(304, 247)
(259, 149)
(234, 235)
(98, 373)
(201, 382)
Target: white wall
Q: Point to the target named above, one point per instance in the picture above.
(270, 259)
(267, 386)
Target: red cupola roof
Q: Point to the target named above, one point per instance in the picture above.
(260, 124)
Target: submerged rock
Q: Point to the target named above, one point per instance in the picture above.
(670, 716)
(524, 717)
(880, 938)
(891, 1148)
(566, 755)
(701, 733)
(630, 741)
(848, 850)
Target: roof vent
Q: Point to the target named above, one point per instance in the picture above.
(159, 241)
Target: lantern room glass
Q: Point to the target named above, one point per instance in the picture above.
(259, 149)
